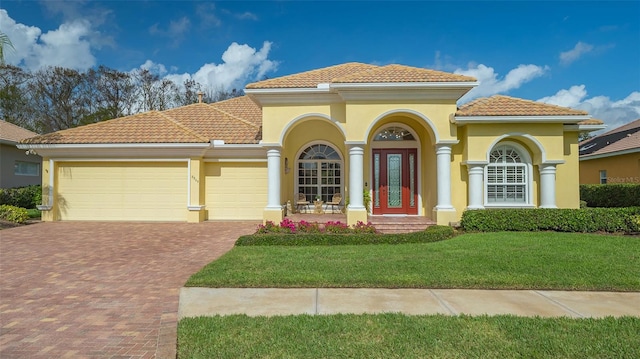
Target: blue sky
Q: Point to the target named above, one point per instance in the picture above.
(578, 54)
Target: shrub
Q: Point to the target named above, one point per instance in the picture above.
(611, 195)
(431, 234)
(287, 226)
(13, 213)
(25, 197)
(585, 220)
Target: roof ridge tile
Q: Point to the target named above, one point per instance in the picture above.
(212, 105)
(183, 127)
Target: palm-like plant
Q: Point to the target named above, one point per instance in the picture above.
(5, 43)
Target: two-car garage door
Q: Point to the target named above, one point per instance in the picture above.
(157, 191)
(123, 191)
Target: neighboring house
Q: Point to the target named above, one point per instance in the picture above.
(17, 168)
(392, 131)
(612, 157)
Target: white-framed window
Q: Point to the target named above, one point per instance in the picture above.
(508, 176)
(603, 176)
(23, 168)
(319, 172)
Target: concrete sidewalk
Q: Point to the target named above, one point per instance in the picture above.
(275, 301)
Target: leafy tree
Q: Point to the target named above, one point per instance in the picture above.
(115, 92)
(14, 99)
(60, 98)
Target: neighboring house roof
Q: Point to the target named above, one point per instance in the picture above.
(359, 73)
(10, 133)
(620, 140)
(499, 105)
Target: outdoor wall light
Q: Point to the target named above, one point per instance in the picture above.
(286, 165)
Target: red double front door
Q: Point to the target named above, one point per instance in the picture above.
(395, 181)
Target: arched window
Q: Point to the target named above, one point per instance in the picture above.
(319, 172)
(507, 176)
(394, 133)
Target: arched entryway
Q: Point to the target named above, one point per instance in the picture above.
(395, 169)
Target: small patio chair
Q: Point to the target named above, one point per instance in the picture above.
(335, 201)
(301, 201)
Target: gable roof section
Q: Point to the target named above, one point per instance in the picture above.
(359, 73)
(620, 140)
(400, 73)
(13, 133)
(196, 123)
(311, 79)
(499, 105)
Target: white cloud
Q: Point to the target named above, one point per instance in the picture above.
(613, 113)
(572, 55)
(241, 64)
(567, 98)
(154, 68)
(68, 46)
(490, 84)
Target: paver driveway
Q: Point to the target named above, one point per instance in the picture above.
(100, 290)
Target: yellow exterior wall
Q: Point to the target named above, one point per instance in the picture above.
(567, 185)
(620, 169)
(122, 191)
(276, 118)
(235, 190)
(361, 115)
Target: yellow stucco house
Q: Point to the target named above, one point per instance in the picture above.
(612, 157)
(393, 132)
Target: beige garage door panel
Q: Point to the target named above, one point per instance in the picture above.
(235, 190)
(122, 191)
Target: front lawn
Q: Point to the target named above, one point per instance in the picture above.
(507, 260)
(402, 336)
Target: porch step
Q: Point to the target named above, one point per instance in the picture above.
(400, 224)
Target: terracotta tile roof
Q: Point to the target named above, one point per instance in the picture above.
(591, 121)
(400, 73)
(197, 123)
(241, 107)
(509, 106)
(623, 138)
(210, 122)
(311, 79)
(13, 133)
(148, 127)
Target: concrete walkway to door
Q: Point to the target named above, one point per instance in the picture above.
(101, 290)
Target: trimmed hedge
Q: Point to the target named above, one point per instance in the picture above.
(25, 197)
(611, 195)
(13, 214)
(431, 234)
(586, 220)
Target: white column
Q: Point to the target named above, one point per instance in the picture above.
(273, 177)
(476, 190)
(443, 162)
(548, 186)
(356, 155)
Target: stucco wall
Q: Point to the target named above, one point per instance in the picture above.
(9, 154)
(620, 169)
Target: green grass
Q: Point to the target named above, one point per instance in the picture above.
(508, 260)
(402, 336)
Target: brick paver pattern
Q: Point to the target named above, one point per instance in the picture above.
(101, 290)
